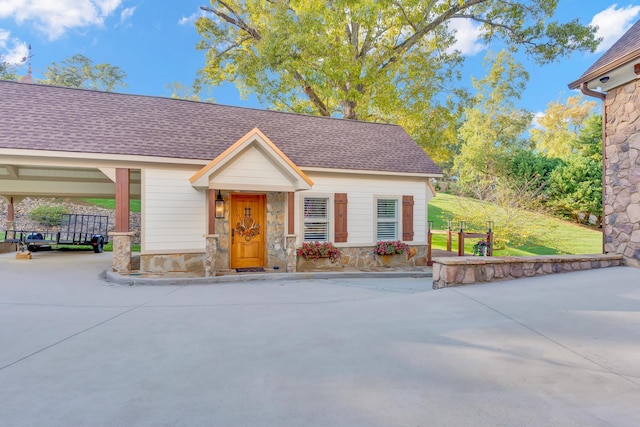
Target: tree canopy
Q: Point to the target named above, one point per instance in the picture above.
(80, 72)
(7, 71)
(374, 60)
(560, 126)
(493, 126)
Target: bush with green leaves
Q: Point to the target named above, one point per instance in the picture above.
(47, 215)
(575, 189)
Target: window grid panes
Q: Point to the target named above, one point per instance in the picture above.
(387, 219)
(316, 219)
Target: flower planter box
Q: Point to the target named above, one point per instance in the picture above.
(321, 264)
(396, 260)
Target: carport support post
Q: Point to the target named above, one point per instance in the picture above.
(210, 256)
(122, 251)
(10, 225)
(291, 252)
(122, 238)
(123, 179)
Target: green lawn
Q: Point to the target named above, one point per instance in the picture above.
(134, 205)
(107, 248)
(555, 236)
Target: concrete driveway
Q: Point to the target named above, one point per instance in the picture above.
(560, 350)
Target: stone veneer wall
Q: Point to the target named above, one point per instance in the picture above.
(622, 178)
(7, 247)
(173, 263)
(222, 230)
(448, 272)
(364, 257)
(276, 247)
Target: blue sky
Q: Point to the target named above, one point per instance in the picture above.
(154, 42)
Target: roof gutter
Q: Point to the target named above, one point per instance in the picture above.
(589, 92)
(602, 96)
(603, 70)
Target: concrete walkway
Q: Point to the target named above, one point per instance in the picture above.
(560, 350)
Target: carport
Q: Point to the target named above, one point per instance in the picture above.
(71, 143)
(71, 175)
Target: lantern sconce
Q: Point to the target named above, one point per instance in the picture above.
(219, 206)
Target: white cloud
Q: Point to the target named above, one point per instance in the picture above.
(126, 14)
(612, 23)
(107, 7)
(55, 17)
(188, 20)
(12, 50)
(468, 37)
(536, 120)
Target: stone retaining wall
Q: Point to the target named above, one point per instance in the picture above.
(449, 272)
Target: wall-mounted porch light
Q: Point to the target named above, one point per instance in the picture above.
(219, 206)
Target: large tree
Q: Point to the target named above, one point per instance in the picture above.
(386, 60)
(80, 72)
(492, 130)
(559, 127)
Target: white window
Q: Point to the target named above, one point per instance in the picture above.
(316, 219)
(387, 219)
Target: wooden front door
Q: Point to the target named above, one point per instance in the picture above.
(248, 228)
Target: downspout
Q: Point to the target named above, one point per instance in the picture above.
(602, 96)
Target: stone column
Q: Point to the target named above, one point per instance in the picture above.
(210, 255)
(291, 252)
(122, 251)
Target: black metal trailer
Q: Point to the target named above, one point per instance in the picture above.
(75, 229)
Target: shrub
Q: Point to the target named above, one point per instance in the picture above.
(47, 215)
(315, 250)
(391, 247)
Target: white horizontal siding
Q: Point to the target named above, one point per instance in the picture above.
(173, 212)
(362, 190)
(251, 168)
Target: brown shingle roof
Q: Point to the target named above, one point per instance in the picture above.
(61, 119)
(626, 49)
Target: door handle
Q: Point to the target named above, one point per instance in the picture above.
(233, 235)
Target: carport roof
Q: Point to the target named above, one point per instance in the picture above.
(50, 118)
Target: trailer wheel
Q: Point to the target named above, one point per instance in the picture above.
(32, 248)
(98, 244)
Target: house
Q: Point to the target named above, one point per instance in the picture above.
(613, 78)
(220, 187)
